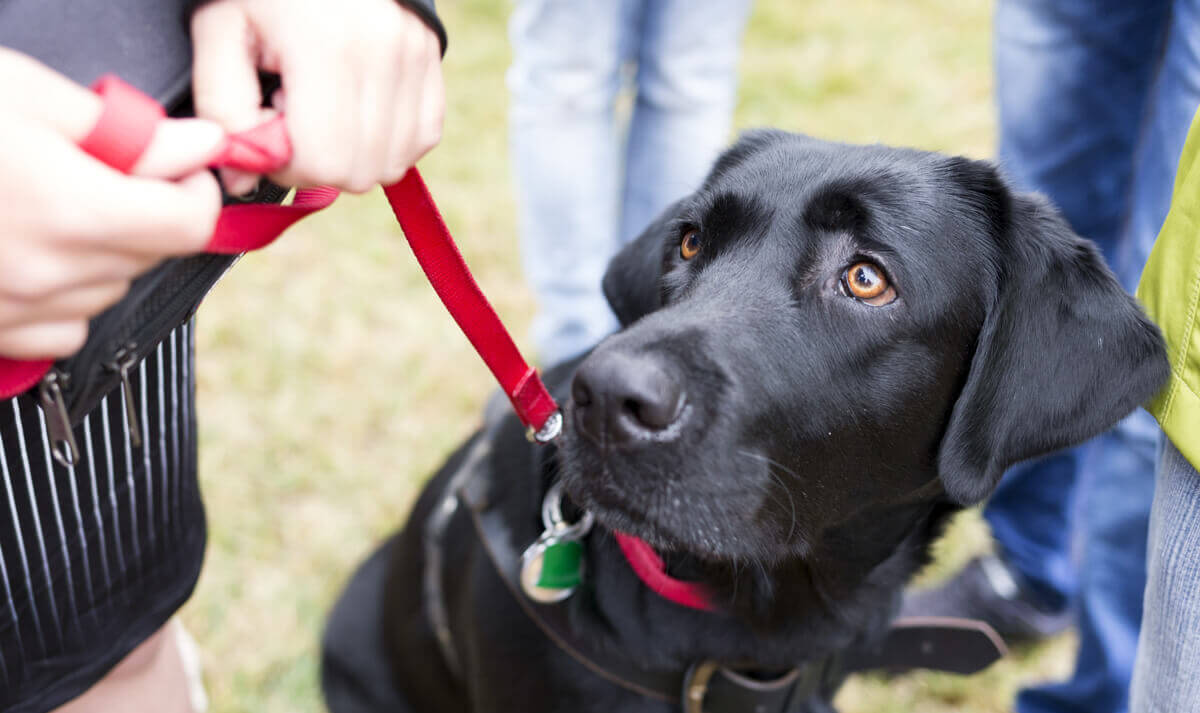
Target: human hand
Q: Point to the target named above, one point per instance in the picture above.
(75, 231)
(362, 84)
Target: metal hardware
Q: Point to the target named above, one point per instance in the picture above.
(695, 686)
(550, 430)
(124, 360)
(58, 419)
(552, 567)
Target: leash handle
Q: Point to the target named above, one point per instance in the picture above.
(125, 129)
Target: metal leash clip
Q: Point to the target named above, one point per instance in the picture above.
(548, 432)
(552, 567)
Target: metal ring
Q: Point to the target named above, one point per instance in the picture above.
(551, 429)
(553, 521)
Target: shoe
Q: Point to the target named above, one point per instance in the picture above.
(988, 590)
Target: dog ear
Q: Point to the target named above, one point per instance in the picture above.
(632, 282)
(1064, 353)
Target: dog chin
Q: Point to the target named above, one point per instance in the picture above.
(667, 530)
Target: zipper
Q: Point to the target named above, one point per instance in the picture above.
(157, 303)
(58, 419)
(124, 360)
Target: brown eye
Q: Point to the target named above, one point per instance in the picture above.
(689, 247)
(867, 282)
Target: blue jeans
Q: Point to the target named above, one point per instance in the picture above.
(1165, 679)
(1095, 99)
(587, 182)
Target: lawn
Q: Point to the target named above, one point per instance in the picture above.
(332, 383)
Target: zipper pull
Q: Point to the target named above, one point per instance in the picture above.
(124, 360)
(58, 420)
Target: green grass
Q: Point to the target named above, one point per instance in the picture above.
(332, 382)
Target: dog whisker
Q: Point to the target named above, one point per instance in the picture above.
(783, 486)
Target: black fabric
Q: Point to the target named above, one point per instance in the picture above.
(95, 558)
(145, 42)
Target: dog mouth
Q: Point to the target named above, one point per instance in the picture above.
(663, 514)
(615, 512)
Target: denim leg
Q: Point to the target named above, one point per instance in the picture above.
(1116, 488)
(687, 60)
(1115, 482)
(564, 80)
(1168, 657)
(1165, 679)
(1072, 77)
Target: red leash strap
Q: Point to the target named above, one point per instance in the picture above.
(126, 125)
(448, 273)
(125, 129)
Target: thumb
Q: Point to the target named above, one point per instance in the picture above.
(225, 75)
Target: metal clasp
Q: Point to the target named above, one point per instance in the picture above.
(550, 430)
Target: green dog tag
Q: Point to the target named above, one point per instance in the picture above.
(561, 565)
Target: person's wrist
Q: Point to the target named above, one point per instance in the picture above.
(423, 9)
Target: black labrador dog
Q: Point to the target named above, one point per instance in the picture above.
(826, 351)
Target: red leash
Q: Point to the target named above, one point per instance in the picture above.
(126, 128)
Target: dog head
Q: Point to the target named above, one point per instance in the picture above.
(823, 329)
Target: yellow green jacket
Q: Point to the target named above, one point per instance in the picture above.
(1170, 290)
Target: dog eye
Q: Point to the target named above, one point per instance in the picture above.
(689, 246)
(866, 281)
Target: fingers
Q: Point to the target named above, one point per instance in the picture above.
(323, 100)
(428, 129)
(69, 248)
(52, 340)
(180, 147)
(225, 75)
(161, 218)
(364, 98)
(60, 103)
(78, 304)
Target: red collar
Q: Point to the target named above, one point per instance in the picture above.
(651, 569)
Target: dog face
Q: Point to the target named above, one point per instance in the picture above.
(824, 331)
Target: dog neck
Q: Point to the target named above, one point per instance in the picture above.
(775, 614)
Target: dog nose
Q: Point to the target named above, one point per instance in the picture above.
(624, 397)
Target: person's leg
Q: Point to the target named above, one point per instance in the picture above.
(687, 61)
(1116, 489)
(158, 676)
(1071, 80)
(1118, 486)
(563, 82)
(1168, 657)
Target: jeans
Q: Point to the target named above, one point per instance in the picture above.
(1095, 99)
(1165, 679)
(587, 182)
